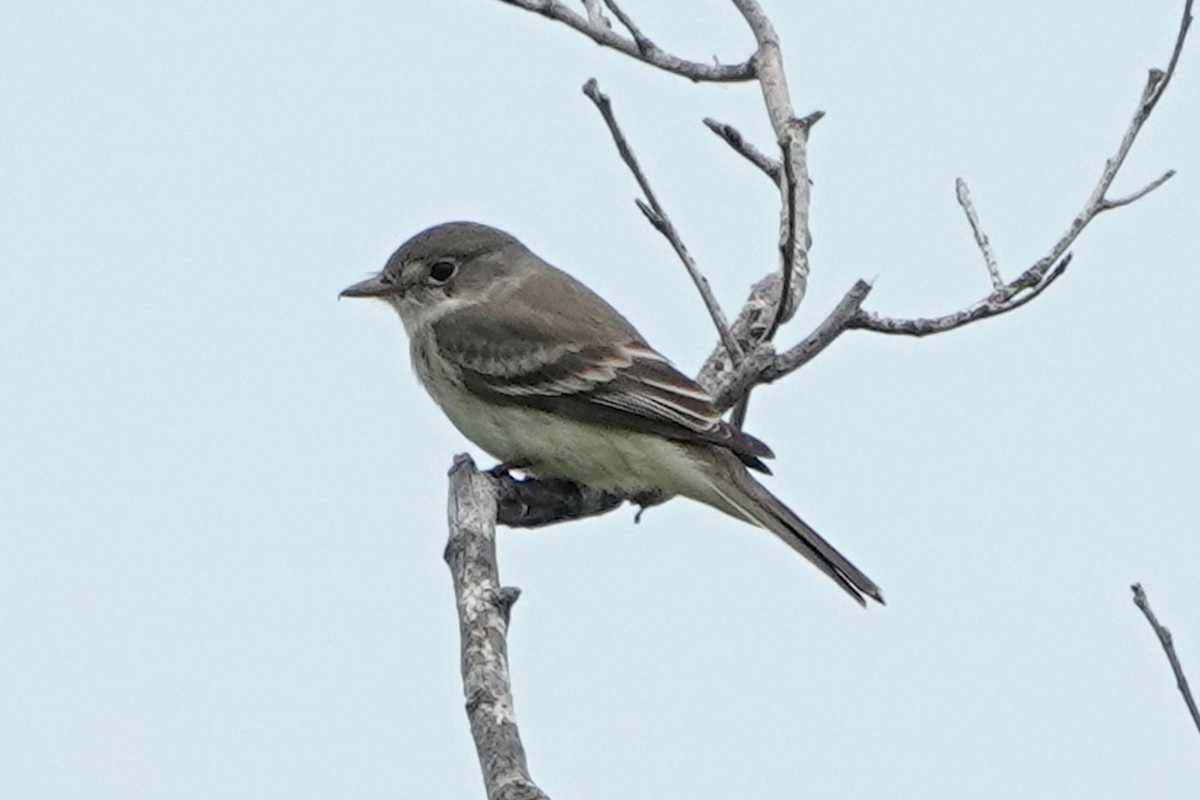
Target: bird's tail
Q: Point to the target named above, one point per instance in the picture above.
(744, 497)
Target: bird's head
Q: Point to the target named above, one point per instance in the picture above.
(443, 268)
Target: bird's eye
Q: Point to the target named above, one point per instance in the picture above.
(442, 271)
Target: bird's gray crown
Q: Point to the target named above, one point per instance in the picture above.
(461, 241)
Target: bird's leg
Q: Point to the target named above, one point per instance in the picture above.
(646, 499)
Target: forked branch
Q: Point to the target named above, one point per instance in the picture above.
(595, 27)
(773, 299)
(1007, 296)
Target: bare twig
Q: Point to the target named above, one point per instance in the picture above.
(981, 239)
(1029, 285)
(764, 366)
(595, 14)
(733, 137)
(1010, 298)
(658, 218)
(787, 258)
(1168, 646)
(483, 616)
(642, 41)
(787, 246)
(1140, 193)
(607, 37)
(1034, 280)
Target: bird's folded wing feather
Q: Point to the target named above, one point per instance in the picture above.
(621, 382)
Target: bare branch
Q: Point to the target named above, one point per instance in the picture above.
(748, 329)
(1160, 79)
(1037, 278)
(1140, 193)
(767, 307)
(764, 366)
(1029, 285)
(658, 218)
(595, 14)
(642, 41)
(981, 239)
(607, 37)
(784, 304)
(792, 136)
(483, 616)
(733, 137)
(784, 291)
(787, 247)
(1168, 646)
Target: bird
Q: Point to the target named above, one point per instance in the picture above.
(541, 372)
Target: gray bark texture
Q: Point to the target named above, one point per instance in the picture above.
(483, 614)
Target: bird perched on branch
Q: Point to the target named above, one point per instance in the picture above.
(542, 373)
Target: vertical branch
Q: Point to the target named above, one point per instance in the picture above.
(483, 615)
(794, 183)
(792, 135)
(787, 246)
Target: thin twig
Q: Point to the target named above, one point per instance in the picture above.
(1034, 280)
(733, 137)
(1168, 646)
(1161, 79)
(640, 39)
(787, 246)
(1012, 297)
(483, 616)
(981, 239)
(658, 218)
(1140, 193)
(607, 37)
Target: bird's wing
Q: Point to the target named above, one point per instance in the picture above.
(621, 382)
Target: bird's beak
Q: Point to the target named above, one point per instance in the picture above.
(374, 286)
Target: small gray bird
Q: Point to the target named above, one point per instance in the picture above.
(541, 372)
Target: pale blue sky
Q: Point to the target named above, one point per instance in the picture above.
(222, 492)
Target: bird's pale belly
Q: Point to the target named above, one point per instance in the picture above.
(553, 446)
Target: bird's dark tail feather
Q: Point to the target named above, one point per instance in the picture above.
(750, 500)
